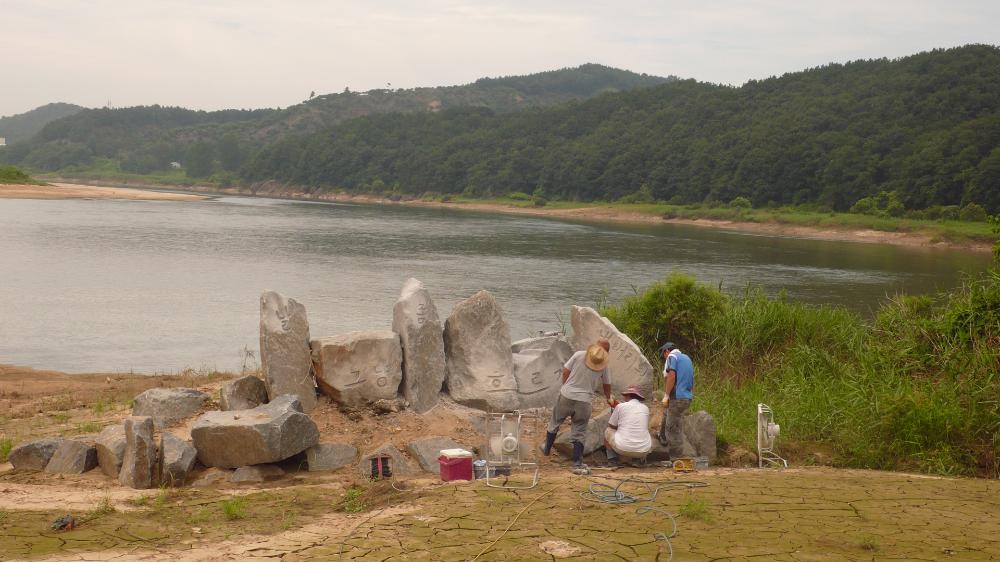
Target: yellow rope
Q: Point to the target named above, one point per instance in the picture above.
(489, 546)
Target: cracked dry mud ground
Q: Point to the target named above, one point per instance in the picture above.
(796, 514)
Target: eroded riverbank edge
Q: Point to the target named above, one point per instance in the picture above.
(596, 214)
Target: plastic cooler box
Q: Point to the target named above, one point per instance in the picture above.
(456, 464)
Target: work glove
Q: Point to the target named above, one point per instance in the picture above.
(666, 400)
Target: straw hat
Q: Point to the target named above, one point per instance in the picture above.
(597, 358)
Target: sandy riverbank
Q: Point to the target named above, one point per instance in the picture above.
(77, 191)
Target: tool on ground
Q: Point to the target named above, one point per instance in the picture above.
(767, 434)
(64, 523)
(504, 433)
(380, 468)
(683, 464)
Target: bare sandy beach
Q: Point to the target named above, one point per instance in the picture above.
(77, 191)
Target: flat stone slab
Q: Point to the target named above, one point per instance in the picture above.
(168, 406)
(477, 349)
(397, 462)
(111, 449)
(428, 449)
(538, 365)
(72, 457)
(416, 320)
(330, 456)
(256, 473)
(211, 477)
(242, 394)
(265, 434)
(177, 459)
(285, 358)
(34, 455)
(359, 368)
(628, 366)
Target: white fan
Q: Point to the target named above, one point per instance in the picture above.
(767, 434)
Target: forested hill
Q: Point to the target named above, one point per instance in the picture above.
(926, 127)
(25, 125)
(147, 139)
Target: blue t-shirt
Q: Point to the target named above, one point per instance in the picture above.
(685, 375)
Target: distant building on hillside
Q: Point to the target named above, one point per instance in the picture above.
(3, 141)
(175, 165)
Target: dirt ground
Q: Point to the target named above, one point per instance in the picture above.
(77, 191)
(720, 514)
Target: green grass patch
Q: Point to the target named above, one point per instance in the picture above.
(353, 502)
(6, 444)
(103, 507)
(695, 508)
(234, 509)
(14, 175)
(89, 427)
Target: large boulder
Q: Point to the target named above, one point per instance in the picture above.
(111, 449)
(428, 449)
(72, 457)
(627, 363)
(330, 456)
(538, 365)
(360, 367)
(34, 455)
(699, 431)
(177, 458)
(284, 349)
(242, 394)
(168, 406)
(594, 439)
(398, 464)
(140, 461)
(265, 434)
(477, 349)
(415, 319)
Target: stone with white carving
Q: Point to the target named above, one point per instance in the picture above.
(477, 348)
(627, 363)
(359, 367)
(415, 319)
(538, 365)
(284, 349)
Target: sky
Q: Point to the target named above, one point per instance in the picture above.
(214, 54)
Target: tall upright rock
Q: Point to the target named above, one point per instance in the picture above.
(477, 350)
(284, 349)
(140, 462)
(415, 319)
(627, 363)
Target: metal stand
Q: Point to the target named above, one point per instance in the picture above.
(767, 432)
(504, 432)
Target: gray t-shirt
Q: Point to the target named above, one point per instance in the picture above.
(582, 381)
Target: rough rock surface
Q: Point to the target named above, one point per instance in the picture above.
(415, 319)
(140, 461)
(243, 393)
(177, 458)
(284, 349)
(72, 457)
(256, 473)
(477, 348)
(699, 432)
(628, 365)
(397, 462)
(265, 434)
(661, 453)
(428, 449)
(330, 456)
(111, 449)
(538, 365)
(211, 477)
(169, 405)
(359, 367)
(594, 436)
(34, 455)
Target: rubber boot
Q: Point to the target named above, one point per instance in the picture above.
(550, 439)
(577, 454)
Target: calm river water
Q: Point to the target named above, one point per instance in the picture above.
(155, 286)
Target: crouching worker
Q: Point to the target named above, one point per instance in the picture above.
(580, 377)
(627, 434)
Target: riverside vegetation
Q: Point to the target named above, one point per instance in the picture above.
(914, 388)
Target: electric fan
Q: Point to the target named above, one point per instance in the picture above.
(767, 434)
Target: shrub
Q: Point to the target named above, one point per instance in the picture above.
(974, 213)
(740, 203)
(13, 174)
(539, 201)
(519, 196)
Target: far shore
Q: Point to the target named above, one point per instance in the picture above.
(596, 213)
(78, 191)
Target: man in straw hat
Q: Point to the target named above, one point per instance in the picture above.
(678, 390)
(627, 434)
(580, 377)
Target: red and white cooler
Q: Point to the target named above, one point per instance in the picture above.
(456, 464)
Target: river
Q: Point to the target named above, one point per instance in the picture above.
(160, 286)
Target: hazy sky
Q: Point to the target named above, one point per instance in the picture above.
(243, 53)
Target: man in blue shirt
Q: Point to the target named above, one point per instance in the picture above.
(678, 387)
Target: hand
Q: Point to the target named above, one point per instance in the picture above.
(666, 400)
(612, 402)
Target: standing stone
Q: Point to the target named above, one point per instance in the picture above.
(284, 349)
(415, 319)
(627, 363)
(72, 457)
(168, 406)
(34, 455)
(428, 449)
(594, 439)
(330, 456)
(699, 431)
(177, 458)
(360, 367)
(538, 365)
(139, 465)
(398, 464)
(243, 393)
(111, 449)
(477, 349)
(268, 433)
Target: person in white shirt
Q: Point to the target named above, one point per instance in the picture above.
(627, 434)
